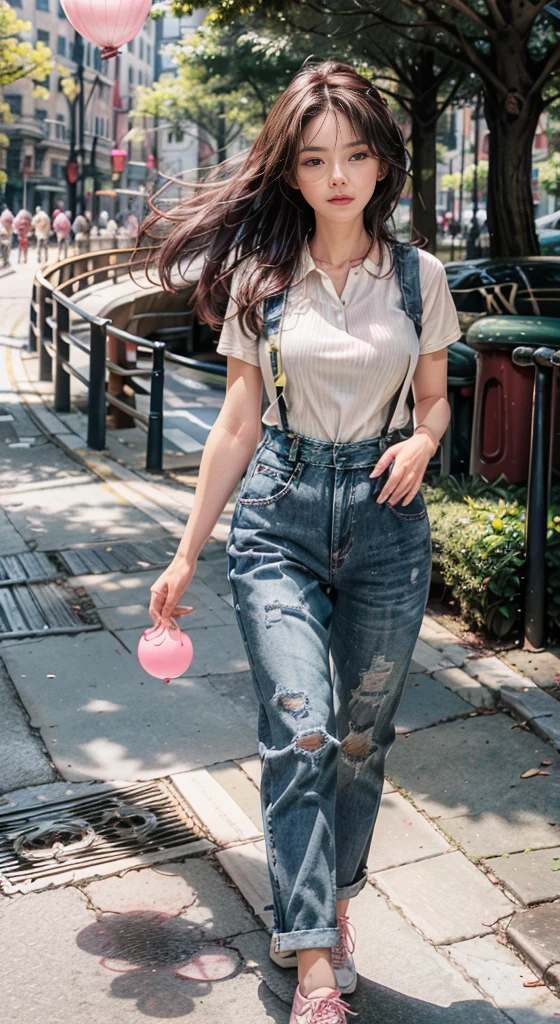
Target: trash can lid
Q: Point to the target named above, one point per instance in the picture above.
(506, 332)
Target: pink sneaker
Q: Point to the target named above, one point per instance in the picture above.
(323, 1006)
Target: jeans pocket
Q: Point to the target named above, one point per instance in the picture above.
(270, 480)
(415, 510)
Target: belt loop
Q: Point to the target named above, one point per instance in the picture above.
(294, 447)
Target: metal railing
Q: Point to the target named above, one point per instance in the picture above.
(51, 335)
(100, 330)
(545, 362)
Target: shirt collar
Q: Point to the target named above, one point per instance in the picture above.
(308, 263)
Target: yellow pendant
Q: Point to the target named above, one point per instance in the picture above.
(280, 381)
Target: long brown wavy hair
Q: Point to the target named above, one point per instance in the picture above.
(247, 209)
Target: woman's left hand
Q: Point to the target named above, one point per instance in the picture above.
(409, 459)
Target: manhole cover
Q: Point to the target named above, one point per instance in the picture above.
(40, 608)
(91, 836)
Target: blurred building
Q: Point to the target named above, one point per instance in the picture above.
(186, 150)
(41, 132)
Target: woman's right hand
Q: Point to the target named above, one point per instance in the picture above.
(167, 591)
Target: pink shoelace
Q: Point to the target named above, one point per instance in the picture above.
(331, 1010)
(347, 944)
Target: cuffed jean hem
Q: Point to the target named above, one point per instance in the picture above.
(346, 892)
(313, 938)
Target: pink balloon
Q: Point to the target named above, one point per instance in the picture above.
(165, 653)
(107, 23)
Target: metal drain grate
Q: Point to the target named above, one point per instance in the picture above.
(28, 567)
(84, 837)
(122, 557)
(41, 608)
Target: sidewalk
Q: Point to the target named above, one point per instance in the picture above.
(169, 919)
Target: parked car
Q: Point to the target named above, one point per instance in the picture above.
(549, 241)
(527, 286)
(549, 220)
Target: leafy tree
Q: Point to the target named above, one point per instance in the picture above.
(510, 46)
(192, 98)
(453, 181)
(18, 59)
(549, 176)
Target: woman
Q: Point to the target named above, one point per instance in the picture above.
(329, 552)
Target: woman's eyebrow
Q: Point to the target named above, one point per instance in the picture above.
(323, 149)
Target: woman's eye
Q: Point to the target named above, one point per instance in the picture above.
(313, 161)
(361, 154)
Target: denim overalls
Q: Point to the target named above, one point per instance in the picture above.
(329, 589)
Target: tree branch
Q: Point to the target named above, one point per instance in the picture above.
(496, 14)
(551, 63)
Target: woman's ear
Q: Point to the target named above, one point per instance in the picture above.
(383, 171)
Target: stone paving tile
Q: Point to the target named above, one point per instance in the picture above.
(402, 978)
(446, 897)
(428, 658)
(470, 770)
(534, 933)
(216, 650)
(53, 969)
(402, 835)
(195, 888)
(59, 517)
(22, 758)
(464, 686)
(248, 869)
(238, 686)
(103, 717)
(500, 973)
(426, 702)
(235, 782)
(532, 876)
(495, 833)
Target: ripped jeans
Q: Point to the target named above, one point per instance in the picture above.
(322, 575)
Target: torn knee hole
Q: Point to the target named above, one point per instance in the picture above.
(311, 742)
(294, 702)
(358, 745)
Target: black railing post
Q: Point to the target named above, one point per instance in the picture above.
(33, 318)
(62, 350)
(44, 333)
(96, 404)
(538, 493)
(154, 453)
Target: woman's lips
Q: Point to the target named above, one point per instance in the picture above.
(341, 202)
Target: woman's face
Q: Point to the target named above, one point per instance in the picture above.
(333, 162)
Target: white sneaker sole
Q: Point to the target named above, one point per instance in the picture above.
(287, 958)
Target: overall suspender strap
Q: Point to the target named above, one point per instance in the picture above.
(407, 269)
(273, 313)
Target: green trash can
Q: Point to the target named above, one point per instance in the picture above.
(503, 400)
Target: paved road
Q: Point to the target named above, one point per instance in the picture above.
(129, 929)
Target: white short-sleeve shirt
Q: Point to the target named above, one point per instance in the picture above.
(345, 357)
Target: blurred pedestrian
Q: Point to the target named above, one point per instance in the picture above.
(81, 228)
(41, 224)
(62, 227)
(22, 226)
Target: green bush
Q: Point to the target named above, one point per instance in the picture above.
(478, 540)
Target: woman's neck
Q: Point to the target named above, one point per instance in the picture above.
(340, 245)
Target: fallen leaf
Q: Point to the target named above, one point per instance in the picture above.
(529, 773)
(544, 773)
(533, 984)
(50, 676)
(546, 762)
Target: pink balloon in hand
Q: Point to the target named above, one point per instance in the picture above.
(165, 653)
(107, 23)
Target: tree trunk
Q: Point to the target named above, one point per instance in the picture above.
(424, 111)
(423, 140)
(511, 216)
(512, 119)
